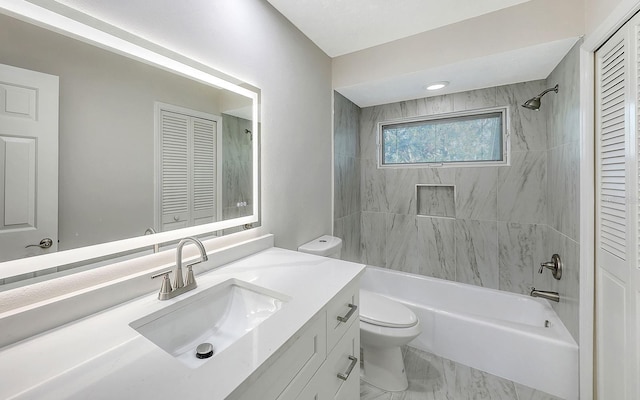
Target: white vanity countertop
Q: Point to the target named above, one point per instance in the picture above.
(102, 357)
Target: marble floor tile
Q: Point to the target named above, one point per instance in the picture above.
(435, 378)
(369, 392)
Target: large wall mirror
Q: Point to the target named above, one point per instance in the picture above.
(103, 140)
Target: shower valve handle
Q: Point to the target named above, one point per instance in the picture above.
(555, 265)
(547, 264)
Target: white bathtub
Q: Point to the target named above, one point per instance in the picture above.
(498, 332)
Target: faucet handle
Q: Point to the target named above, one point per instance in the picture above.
(548, 264)
(163, 273)
(166, 288)
(191, 279)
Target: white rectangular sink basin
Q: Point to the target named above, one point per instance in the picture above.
(219, 315)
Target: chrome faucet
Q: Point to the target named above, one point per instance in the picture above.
(553, 296)
(179, 285)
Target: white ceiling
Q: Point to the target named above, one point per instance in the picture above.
(521, 65)
(343, 26)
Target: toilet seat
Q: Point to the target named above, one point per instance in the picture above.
(381, 311)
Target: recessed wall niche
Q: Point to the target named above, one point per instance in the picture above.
(436, 200)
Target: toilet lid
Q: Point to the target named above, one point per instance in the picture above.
(381, 311)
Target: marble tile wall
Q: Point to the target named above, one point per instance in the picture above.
(496, 208)
(346, 218)
(507, 219)
(236, 169)
(436, 200)
(563, 164)
(236, 163)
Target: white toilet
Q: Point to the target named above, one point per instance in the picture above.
(385, 326)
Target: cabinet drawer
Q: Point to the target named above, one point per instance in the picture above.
(285, 378)
(343, 360)
(350, 389)
(341, 313)
(306, 372)
(344, 356)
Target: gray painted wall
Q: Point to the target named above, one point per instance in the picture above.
(250, 40)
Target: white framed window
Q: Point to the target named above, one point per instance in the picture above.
(469, 138)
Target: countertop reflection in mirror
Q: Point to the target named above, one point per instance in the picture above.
(141, 138)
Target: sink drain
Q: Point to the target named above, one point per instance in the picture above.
(204, 350)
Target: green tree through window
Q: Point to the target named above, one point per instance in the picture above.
(451, 139)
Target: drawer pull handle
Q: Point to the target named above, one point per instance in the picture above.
(353, 309)
(345, 376)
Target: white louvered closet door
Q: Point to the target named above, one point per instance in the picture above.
(617, 252)
(188, 152)
(204, 171)
(174, 167)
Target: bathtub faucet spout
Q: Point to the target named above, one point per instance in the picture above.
(553, 296)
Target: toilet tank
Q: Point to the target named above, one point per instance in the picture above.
(326, 246)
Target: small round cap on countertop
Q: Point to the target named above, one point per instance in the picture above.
(322, 246)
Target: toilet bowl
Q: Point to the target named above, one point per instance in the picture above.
(385, 326)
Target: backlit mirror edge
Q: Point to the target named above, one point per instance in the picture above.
(158, 57)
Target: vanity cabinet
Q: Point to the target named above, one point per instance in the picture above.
(297, 352)
(322, 362)
(343, 361)
(297, 364)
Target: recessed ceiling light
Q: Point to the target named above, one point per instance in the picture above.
(437, 85)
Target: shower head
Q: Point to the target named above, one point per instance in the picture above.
(534, 103)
